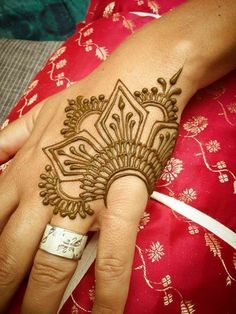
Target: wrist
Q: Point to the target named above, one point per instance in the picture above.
(204, 32)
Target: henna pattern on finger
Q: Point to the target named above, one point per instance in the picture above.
(124, 139)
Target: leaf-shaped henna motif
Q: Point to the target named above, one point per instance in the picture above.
(125, 139)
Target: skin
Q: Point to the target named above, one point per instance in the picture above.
(180, 39)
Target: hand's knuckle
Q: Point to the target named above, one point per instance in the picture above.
(3, 146)
(104, 309)
(44, 273)
(8, 268)
(110, 268)
(41, 142)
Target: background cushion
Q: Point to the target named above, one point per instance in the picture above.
(20, 60)
(40, 19)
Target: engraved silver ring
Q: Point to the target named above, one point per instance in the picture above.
(63, 242)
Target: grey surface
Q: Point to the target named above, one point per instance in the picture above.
(20, 60)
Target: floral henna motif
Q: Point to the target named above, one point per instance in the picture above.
(124, 139)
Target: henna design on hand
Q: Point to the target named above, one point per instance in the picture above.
(129, 134)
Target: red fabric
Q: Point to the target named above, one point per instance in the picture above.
(179, 267)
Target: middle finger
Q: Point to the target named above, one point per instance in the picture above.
(116, 245)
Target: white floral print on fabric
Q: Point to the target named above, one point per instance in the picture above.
(74, 309)
(109, 9)
(28, 102)
(221, 164)
(89, 45)
(153, 5)
(127, 23)
(193, 229)
(92, 294)
(88, 32)
(27, 99)
(213, 146)
(166, 281)
(225, 112)
(139, 2)
(196, 125)
(77, 308)
(168, 298)
(172, 169)
(144, 220)
(216, 249)
(188, 195)
(187, 307)
(165, 286)
(32, 99)
(61, 64)
(234, 260)
(59, 78)
(58, 53)
(223, 178)
(31, 87)
(156, 251)
(231, 107)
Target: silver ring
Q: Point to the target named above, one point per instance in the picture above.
(63, 242)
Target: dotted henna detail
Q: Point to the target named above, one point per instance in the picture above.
(62, 203)
(124, 139)
(78, 109)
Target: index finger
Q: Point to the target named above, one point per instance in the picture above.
(119, 225)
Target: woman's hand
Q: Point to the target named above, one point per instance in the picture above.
(95, 171)
(113, 206)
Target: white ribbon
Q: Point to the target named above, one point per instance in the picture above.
(214, 226)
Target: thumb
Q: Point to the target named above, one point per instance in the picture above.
(13, 137)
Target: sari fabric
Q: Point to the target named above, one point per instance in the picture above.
(179, 266)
